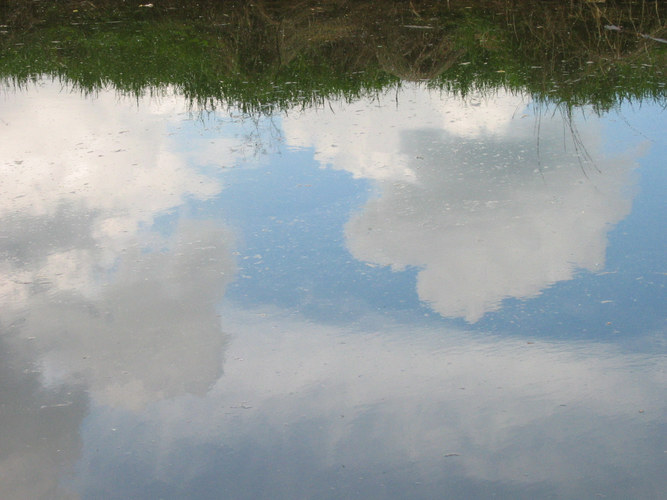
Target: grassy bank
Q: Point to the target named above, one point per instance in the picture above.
(264, 56)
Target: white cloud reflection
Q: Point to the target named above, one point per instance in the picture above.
(151, 332)
(106, 298)
(102, 306)
(316, 407)
(467, 196)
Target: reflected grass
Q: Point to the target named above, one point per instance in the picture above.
(269, 56)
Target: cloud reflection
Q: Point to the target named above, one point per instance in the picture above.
(99, 308)
(483, 202)
(317, 408)
(108, 300)
(150, 332)
(40, 439)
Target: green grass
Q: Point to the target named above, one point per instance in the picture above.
(272, 56)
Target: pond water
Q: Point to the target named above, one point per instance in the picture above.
(409, 293)
(414, 295)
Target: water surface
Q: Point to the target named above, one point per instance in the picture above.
(402, 296)
(362, 286)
